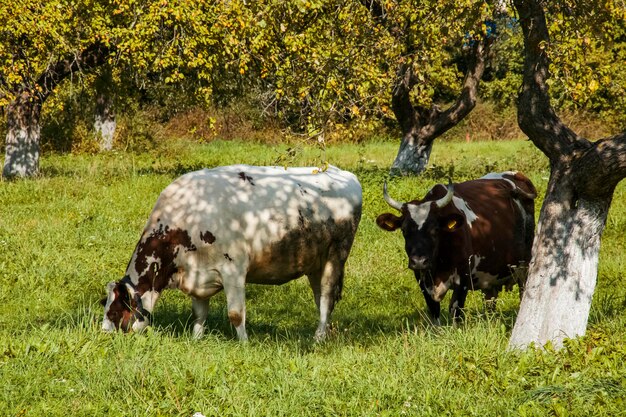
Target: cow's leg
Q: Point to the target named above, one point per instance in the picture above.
(457, 304)
(520, 274)
(327, 286)
(491, 295)
(434, 307)
(315, 280)
(236, 304)
(148, 300)
(200, 309)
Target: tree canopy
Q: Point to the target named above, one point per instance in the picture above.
(313, 65)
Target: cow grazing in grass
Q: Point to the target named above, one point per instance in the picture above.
(220, 229)
(471, 235)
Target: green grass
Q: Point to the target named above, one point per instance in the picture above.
(64, 235)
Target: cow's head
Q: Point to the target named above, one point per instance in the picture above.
(123, 308)
(425, 224)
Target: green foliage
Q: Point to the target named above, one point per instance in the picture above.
(36, 34)
(67, 233)
(327, 63)
(315, 66)
(588, 50)
(503, 77)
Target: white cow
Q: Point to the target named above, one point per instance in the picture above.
(219, 229)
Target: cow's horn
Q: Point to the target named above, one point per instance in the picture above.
(445, 200)
(393, 203)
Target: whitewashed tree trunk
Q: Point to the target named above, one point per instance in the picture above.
(22, 139)
(24, 111)
(104, 121)
(412, 159)
(104, 113)
(563, 272)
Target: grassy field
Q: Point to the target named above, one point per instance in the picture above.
(64, 235)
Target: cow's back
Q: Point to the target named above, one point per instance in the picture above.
(503, 226)
(278, 221)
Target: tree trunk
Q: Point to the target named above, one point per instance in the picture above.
(564, 268)
(104, 114)
(421, 126)
(412, 157)
(104, 123)
(23, 134)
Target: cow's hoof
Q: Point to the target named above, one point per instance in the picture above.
(320, 336)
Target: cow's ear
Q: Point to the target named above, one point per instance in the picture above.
(389, 222)
(110, 287)
(452, 223)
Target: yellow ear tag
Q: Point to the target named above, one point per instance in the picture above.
(451, 224)
(389, 224)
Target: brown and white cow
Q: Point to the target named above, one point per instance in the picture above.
(472, 235)
(222, 228)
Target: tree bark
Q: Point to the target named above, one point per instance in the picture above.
(564, 266)
(413, 156)
(104, 114)
(22, 139)
(563, 271)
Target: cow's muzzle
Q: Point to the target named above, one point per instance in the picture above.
(419, 263)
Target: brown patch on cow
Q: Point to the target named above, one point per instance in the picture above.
(207, 237)
(120, 310)
(244, 177)
(163, 244)
(235, 318)
(227, 256)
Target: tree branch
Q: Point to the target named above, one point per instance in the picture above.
(92, 56)
(606, 159)
(401, 104)
(431, 123)
(536, 117)
(380, 16)
(440, 122)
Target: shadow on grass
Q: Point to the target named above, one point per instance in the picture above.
(288, 315)
(348, 326)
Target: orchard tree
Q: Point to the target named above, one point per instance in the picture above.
(105, 122)
(583, 173)
(429, 34)
(327, 64)
(41, 44)
(156, 42)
